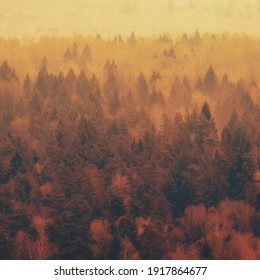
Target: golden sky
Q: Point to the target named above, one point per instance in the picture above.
(110, 17)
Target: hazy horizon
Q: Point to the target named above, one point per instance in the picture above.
(28, 18)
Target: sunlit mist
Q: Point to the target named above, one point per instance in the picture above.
(65, 17)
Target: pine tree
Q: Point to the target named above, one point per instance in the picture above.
(114, 104)
(27, 86)
(142, 89)
(86, 132)
(206, 111)
(67, 55)
(240, 164)
(132, 39)
(82, 85)
(210, 80)
(110, 84)
(7, 73)
(43, 79)
(86, 54)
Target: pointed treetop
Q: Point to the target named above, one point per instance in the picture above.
(155, 76)
(199, 84)
(197, 34)
(225, 79)
(142, 86)
(71, 75)
(178, 118)
(86, 54)
(67, 55)
(6, 72)
(206, 111)
(27, 84)
(210, 79)
(132, 39)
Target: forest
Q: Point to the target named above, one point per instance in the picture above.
(130, 147)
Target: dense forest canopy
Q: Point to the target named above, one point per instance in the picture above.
(130, 147)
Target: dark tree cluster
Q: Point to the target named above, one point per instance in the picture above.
(85, 173)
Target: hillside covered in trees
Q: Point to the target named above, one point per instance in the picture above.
(130, 148)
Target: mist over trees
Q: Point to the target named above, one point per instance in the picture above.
(131, 148)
